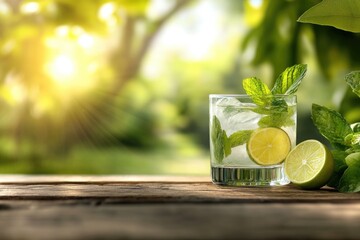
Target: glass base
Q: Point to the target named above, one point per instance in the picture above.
(261, 176)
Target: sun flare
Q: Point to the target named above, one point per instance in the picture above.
(62, 69)
(72, 57)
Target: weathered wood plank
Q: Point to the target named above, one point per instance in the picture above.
(153, 192)
(84, 179)
(79, 219)
(127, 207)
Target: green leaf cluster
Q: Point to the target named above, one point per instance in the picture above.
(345, 138)
(222, 144)
(353, 79)
(277, 113)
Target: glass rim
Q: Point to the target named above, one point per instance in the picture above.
(247, 96)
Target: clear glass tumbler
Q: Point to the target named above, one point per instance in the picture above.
(250, 137)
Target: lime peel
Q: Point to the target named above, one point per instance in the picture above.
(309, 165)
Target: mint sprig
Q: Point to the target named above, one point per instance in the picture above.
(353, 79)
(277, 112)
(278, 119)
(289, 81)
(239, 138)
(345, 138)
(257, 90)
(331, 124)
(222, 144)
(218, 137)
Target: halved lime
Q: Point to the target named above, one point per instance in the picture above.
(309, 165)
(268, 146)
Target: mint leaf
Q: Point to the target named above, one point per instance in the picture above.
(339, 168)
(254, 86)
(239, 137)
(289, 81)
(258, 91)
(227, 146)
(350, 181)
(356, 127)
(331, 125)
(220, 142)
(278, 119)
(353, 79)
(217, 139)
(352, 139)
(353, 160)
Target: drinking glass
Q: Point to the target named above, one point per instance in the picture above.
(234, 120)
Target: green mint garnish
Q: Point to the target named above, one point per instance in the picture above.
(353, 79)
(352, 139)
(350, 180)
(339, 168)
(331, 125)
(346, 139)
(227, 145)
(356, 127)
(277, 112)
(217, 139)
(258, 91)
(239, 138)
(222, 143)
(289, 81)
(278, 119)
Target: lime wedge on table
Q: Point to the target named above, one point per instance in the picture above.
(268, 146)
(309, 165)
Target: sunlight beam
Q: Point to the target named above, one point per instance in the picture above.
(62, 69)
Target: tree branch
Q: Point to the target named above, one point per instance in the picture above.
(124, 54)
(138, 56)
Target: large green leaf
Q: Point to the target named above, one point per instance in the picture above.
(342, 14)
(353, 79)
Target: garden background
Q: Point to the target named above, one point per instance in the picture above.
(121, 87)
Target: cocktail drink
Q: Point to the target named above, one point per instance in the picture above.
(250, 137)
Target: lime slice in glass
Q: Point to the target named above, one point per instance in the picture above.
(268, 146)
(309, 165)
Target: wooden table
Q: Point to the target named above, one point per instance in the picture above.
(139, 207)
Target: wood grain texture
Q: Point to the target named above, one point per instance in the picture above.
(84, 179)
(90, 220)
(153, 192)
(136, 207)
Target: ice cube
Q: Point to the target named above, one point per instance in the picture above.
(228, 101)
(235, 119)
(238, 158)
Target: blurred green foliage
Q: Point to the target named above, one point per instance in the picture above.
(76, 97)
(281, 41)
